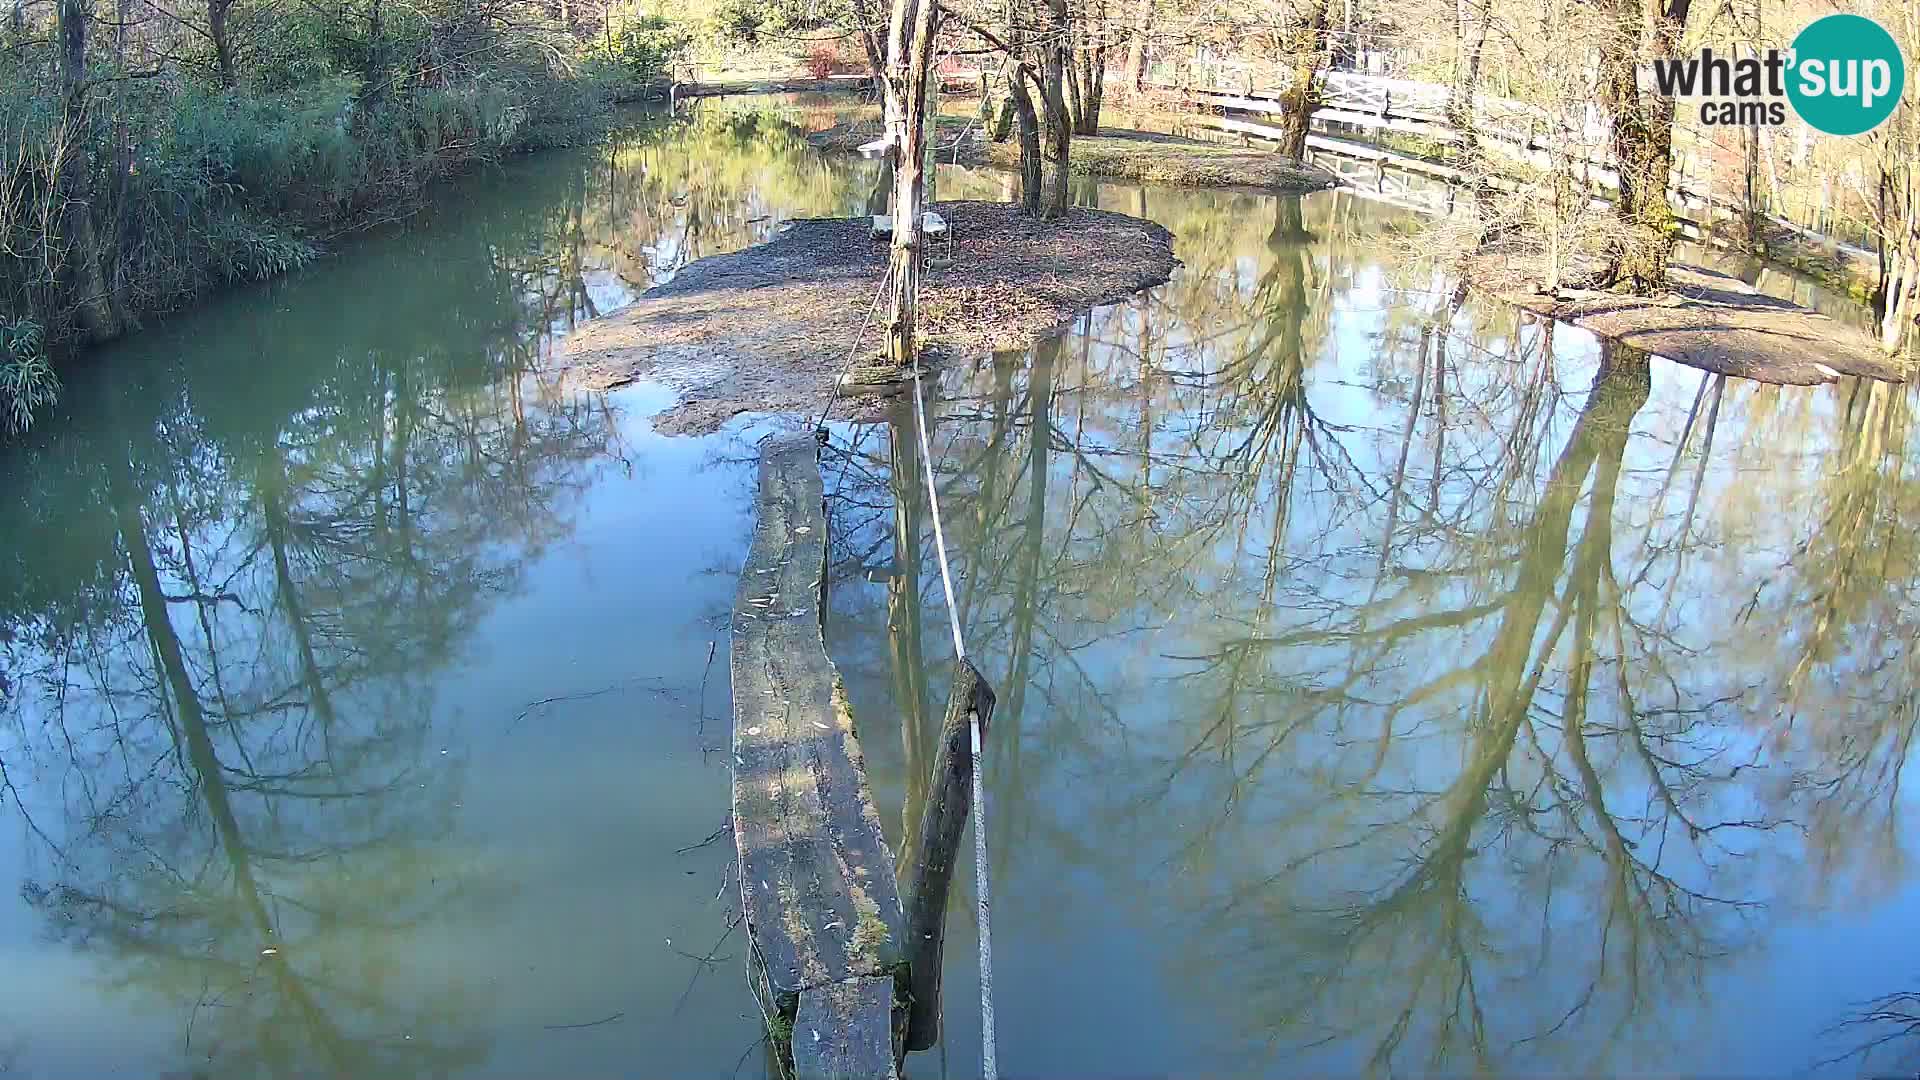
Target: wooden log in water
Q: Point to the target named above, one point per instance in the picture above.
(942, 823)
(825, 928)
(842, 1031)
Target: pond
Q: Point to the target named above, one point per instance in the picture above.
(1386, 683)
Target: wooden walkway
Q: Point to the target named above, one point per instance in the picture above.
(823, 914)
(1237, 96)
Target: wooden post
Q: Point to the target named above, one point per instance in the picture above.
(949, 799)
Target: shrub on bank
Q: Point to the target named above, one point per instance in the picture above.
(139, 191)
(27, 381)
(637, 48)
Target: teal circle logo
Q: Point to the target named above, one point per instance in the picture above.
(1847, 75)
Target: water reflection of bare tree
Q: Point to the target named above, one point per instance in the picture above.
(1431, 732)
(228, 694)
(1528, 807)
(1850, 589)
(1882, 1035)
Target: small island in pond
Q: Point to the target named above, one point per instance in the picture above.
(773, 327)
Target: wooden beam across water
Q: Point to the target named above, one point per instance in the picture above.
(844, 84)
(824, 923)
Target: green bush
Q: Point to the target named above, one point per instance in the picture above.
(744, 22)
(760, 23)
(190, 186)
(280, 150)
(639, 49)
(27, 381)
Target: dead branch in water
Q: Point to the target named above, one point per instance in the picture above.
(725, 828)
(588, 1024)
(532, 707)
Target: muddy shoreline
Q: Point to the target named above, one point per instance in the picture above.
(769, 329)
(1706, 320)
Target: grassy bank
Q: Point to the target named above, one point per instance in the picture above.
(138, 174)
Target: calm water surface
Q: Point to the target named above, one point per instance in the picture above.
(1386, 684)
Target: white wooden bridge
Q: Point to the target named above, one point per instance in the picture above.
(1357, 107)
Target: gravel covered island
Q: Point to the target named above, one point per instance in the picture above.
(769, 328)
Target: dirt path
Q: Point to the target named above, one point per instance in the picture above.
(768, 329)
(1708, 321)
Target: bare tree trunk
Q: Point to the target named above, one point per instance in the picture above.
(1075, 108)
(867, 29)
(1897, 299)
(1096, 92)
(882, 196)
(1896, 320)
(909, 57)
(1470, 40)
(1059, 125)
(377, 60)
(1030, 157)
(1471, 18)
(1086, 76)
(222, 46)
(117, 211)
(937, 847)
(996, 111)
(1137, 45)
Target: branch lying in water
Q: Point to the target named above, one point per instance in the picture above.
(623, 684)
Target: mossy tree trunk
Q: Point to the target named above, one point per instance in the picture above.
(1059, 124)
(1307, 45)
(1037, 69)
(1642, 142)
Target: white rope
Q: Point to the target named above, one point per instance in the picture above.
(939, 535)
(988, 1069)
